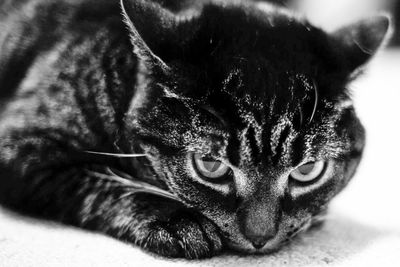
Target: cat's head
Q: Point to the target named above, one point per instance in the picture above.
(245, 113)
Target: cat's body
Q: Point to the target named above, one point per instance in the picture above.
(256, 90)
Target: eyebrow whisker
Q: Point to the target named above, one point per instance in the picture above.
(315, 102)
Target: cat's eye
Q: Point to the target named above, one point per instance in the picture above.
(309, 171)
(209, 167)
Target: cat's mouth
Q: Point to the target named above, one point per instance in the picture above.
(281, 239)
(246, 247)
(238, 243)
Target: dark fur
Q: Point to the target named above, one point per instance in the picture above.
(226, 80)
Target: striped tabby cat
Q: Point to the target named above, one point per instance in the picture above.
(184, 127)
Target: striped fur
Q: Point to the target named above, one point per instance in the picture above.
(256, 88)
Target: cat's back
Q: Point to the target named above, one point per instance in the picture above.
(30, 28)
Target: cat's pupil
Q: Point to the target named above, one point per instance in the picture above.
(211, 166)
(306, 168)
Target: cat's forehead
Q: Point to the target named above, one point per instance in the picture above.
(257, 80)
(258, 84)
(263, 45)
(259, 92)
(239, 30)
(256, 55)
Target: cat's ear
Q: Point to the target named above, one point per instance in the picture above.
(361, 40)
(154, 30)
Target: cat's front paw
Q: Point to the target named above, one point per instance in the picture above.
(184, 235)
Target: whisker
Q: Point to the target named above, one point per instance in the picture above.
(112, 186)
(116, 155)
(132, 185)
(301, 116)
(110, 178)
(315, 102)
(123, 196)
(122, 175)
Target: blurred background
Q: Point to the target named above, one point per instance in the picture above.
(329, 14)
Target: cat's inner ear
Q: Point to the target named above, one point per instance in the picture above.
(156, 31)
(361, 40)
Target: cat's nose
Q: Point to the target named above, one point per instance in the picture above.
(259, 221)
(259, 242)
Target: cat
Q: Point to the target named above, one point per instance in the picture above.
(184, 127)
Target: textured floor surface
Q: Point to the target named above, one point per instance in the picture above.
(362, 229)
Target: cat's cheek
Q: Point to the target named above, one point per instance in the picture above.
(233, 237)
(290, 227)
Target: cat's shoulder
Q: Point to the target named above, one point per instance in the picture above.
(30, 28)
(56, 13)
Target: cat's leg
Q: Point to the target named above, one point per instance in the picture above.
(155, 224)
(39, 176)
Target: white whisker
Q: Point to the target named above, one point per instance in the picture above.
(116, 155)
(122, 174)
(132, 185)
(316, 99)
(124, 196)
(111, 178)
